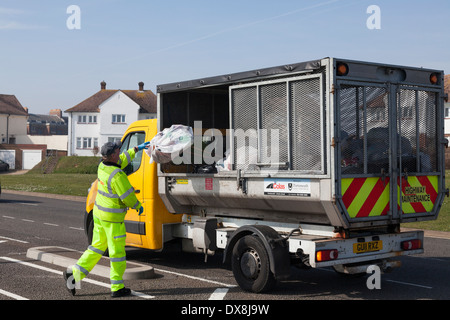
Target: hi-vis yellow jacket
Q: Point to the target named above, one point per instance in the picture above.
(115, 193)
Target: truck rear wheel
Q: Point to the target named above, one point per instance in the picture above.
(250, 265)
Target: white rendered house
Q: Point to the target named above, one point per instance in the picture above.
(105, 116)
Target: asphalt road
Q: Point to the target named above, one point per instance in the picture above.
(28, 221)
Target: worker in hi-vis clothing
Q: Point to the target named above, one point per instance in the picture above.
(114, 196)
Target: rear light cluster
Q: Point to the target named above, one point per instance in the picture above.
(326, 255)
(411, 244)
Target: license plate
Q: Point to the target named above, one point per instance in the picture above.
(370, 246)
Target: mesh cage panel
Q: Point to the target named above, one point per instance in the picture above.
(274, 136)
(245, 121)
(418, 130)
(407, 127)
(279, 122)
(427, 102)
(364, 129)
(377, 115)
(306, 125)
(352, 135)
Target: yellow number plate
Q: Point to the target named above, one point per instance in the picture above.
(361, 247)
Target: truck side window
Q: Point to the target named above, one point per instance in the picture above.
(131, 140)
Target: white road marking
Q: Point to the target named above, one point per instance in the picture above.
(11, 239)
(12, 295)
(29, 204)
(76, 228)
(410, 284)
(197, 278)
(218, 294)
(46, 223)
(394, 281)
(98, 283)
(51, 224)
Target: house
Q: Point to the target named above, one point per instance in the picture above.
(13, 119)
(47, 129)
(45, 125)
(13, 130)
(105, 116)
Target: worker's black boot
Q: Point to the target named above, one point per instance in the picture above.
(69, 282)
(121, 293)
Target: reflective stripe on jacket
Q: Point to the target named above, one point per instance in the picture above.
(115, 193)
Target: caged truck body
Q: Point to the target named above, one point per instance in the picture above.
(313, 164)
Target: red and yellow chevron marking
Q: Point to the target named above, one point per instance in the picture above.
(365, 197)
(369, 197)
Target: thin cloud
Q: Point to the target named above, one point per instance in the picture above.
(10, 11)
(7, 24)
(12, 25)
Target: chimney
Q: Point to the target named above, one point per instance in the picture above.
(26, 109)
(56, 112)
(103, 85)
(141, 86)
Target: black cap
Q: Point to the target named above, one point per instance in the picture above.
(109, 147)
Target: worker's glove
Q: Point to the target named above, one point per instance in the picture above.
(141, 209)
(143, 145)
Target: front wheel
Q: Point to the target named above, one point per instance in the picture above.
(250, 265)
(89, 227)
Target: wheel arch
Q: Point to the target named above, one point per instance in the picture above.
(274, 244)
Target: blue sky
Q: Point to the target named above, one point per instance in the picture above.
(47, 66)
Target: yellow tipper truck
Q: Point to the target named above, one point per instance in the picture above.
(314, 164)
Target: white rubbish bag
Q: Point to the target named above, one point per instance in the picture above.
(225, 163)
(168, 144)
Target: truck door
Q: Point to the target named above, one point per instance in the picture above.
(135, 224)
(388, 160)
(419, 151)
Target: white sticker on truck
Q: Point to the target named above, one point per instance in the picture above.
(287, 187)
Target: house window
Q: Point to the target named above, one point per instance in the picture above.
(87, 119)
(87, 143)
(447, 112)
(118, 118)
(407, 113)
(113, 139)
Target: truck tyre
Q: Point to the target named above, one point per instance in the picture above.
(90, 230)
(250, 265)
(90, 233)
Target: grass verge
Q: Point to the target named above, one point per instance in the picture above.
(61, 183)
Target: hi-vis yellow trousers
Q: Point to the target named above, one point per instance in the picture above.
(107, 235)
